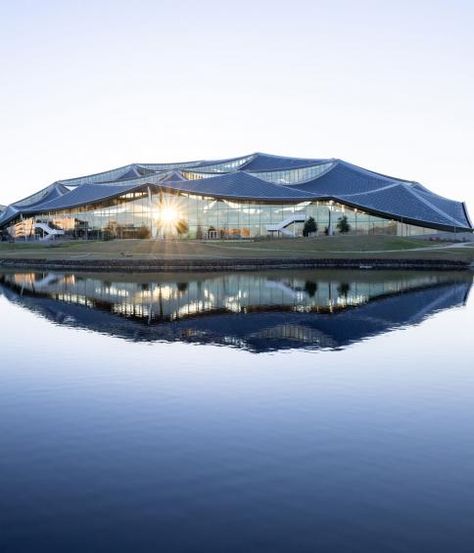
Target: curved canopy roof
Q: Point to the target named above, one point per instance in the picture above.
(258, 177)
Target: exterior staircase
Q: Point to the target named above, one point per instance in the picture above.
(281, 227)
(49, 233)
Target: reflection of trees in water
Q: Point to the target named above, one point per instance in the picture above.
(343, 289)
(311, 288)
(182, 286)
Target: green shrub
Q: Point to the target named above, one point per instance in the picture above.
(343, 225)
(310, 227)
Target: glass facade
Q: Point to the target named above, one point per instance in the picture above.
(170, 215)
(227, 166)
(294, 176)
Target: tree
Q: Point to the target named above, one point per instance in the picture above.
(182, 227)
(311, 288)
(310, 226)
(343, 225)
(143, 232)
(343, 289)
(182, 287)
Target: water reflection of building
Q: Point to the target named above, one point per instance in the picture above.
(265, 311)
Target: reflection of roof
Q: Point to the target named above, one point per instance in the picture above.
(263, 328)
(259, 177)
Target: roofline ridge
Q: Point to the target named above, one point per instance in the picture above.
(316, 162)
(97, 174)
(55, 183)
(78, 204)
(360, 168)
(226, 160)
(375, 190)
(285, 157)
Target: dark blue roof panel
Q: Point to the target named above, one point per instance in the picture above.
(452, 208)
(396, 198)
(85, 194)
(238, 178)
(51, 192)
(8, 215)
(342, 179)
(240, 185)
(266, 162)
(399, 200)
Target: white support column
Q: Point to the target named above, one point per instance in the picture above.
(150, 211)
(330, 231)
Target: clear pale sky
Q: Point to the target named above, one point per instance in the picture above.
(86, 86)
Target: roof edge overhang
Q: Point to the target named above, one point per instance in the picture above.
(399, 218)
(82, 203)
(379, 213)
(466, 214)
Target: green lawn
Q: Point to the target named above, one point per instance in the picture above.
(332, 247)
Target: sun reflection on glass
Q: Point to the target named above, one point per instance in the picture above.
(168, 216)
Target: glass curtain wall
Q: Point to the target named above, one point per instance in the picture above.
(167, 215)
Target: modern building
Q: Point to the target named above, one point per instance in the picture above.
(256, 195)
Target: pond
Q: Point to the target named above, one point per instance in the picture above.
(229, 412)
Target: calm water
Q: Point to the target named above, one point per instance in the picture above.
(304, 411)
